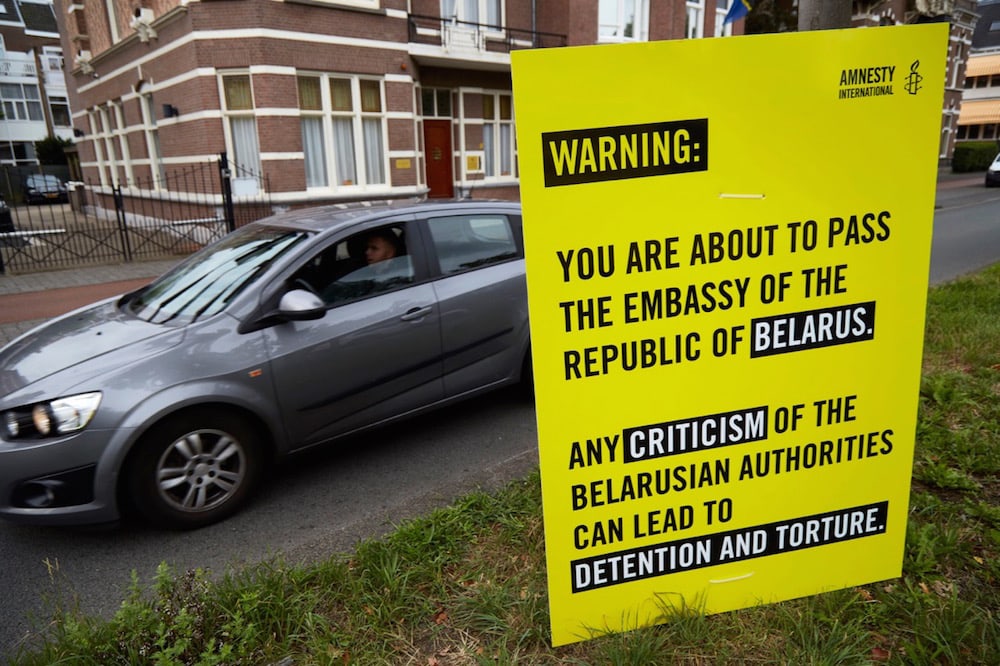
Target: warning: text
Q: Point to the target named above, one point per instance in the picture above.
(626, 151)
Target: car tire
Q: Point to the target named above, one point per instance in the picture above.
(194, 469)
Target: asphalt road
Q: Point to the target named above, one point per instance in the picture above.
(966, 228)
(324, 503)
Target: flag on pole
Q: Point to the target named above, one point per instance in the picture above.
(737, 10)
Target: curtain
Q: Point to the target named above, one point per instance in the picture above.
(315, 157)
(489, 149)
(309, 95)
(340, 94)
(246, 153)
(371, 96)
(506, 158)
(374, 153)
(239, 96)
(343, 143)
(471, 11)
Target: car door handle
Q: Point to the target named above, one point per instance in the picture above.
(416, 313)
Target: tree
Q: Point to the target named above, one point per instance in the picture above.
(52, 150)
(770, 16)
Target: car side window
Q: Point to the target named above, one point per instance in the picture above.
(370, 262)
(466, 242)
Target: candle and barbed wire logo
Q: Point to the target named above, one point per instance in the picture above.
(913, 79)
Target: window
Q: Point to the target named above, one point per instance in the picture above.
(21, 101)
(498, 136)
(435, 102)
(343, 131)
(465, 242)
(241, 122)
(60, 111)
(153, 148)
(695, 27)
(97, 132)
(120, 137)
(723, 29)
(313, 141)
(371, 262)
(622, 20)
(473, 11)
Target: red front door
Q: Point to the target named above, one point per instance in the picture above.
(438, 157)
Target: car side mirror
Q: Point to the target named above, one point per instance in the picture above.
(300, 305)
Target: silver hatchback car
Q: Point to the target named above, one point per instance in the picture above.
(286, 334)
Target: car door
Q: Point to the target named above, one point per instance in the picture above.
(482, 297)
(375, 354)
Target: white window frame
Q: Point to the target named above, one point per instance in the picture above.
(241, 114)
(640, 31)
(60, 102)
(723, 29)
(357, 117)
(360, 4)
(458, 10)
(107, 139)
(695, 28)
(492, 173)
(152, 135)
(436, 111)
(97, 138)
(20, 105)
(121, 137)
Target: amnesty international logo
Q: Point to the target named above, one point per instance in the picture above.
(913, 79)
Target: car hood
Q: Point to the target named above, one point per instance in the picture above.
(80, 345)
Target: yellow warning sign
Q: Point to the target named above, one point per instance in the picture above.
(727, 250)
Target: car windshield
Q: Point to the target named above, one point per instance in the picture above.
(207, 281)
(38, 181)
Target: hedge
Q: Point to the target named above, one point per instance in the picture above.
(973, 156)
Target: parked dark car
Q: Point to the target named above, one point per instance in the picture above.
(44, 188)
(993, 173)
(286, 334)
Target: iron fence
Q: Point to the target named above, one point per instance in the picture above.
(155, 219)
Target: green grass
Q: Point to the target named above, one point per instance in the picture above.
(466, 584)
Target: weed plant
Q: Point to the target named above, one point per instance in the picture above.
(466, 584)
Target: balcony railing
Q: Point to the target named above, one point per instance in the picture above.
(17, 67)
(454, 35)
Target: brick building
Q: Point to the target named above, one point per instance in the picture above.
(962, 15)
(328, 100)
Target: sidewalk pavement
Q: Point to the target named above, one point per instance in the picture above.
(28, 300)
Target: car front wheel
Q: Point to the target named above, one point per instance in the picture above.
(194, 469)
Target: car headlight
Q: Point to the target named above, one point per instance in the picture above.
(51, 419)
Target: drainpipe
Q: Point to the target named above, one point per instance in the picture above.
(46, 111)
(534, 24)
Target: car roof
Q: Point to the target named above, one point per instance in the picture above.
(336, 216)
